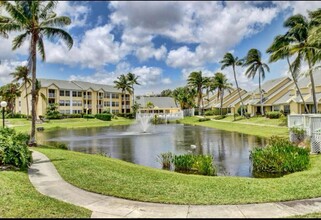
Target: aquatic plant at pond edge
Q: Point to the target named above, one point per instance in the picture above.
(165, 159)
(280, 156)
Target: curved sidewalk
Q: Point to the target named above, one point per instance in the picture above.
(45, 178)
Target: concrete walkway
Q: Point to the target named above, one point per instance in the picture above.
(45, 178)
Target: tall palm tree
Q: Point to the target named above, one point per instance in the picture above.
(132, 79)
(123, 84)
(230, 60)
(221, 84)
(36, 20)
(22, 73)
(198, 82)
(255, 65)
(306, 48)
(280, 50)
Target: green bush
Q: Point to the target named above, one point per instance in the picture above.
(13, 148)
(197, 164)
(15, 115)
(279, 156)
(103, 116)
(219, 117)
(89, 116)
(273, 115)
(72, 115)
(203, 119)
(52, 112)
(244, 110)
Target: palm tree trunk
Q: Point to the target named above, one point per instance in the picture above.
(133, 95)
(32, 141)
(297, 87)
(199, 101)
(27, 102)
(261, 95)
(315, 104)
(222, 94)
(238, 91)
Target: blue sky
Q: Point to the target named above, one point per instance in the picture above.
(161, 42)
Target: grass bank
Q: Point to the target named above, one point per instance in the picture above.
(19, 199)
(114, 177)
(24, 125)
(258, 126)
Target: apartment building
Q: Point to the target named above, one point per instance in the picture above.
(160, 105)
(75, 97)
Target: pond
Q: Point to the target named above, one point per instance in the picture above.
(230, 150)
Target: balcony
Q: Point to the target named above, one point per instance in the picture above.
(52, 95)
(87, 96)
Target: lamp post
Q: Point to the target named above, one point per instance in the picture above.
(3, 105)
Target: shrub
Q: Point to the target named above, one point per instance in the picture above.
(244, 110)
(203, 119)
(15, 115)
(297, 135)
(13, 148)
(52, 112)
(89, 116)
(219, 117)
(165, 159)
(103, 116)
(197, 164)
(279, 156)
(273, 115)
(72, 115)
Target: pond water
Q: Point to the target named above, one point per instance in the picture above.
(230, 150)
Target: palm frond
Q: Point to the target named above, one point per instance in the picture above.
(41, 48)
(51, 32)
(14, 12)
(18, 41)
(56, 21)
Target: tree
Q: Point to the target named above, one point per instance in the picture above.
(255, 65)
(36, 20)
(123, 84)
(221, 83)
(150, 105)
(22, 73)
(185, 96)
(198, 82)
(132, 79)
(9, 93)
(166, 93)
(280, 50)
(38, 94)
(305, 45)
(230, 60)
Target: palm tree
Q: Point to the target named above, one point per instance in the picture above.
(36, 20)
(123, 84)
(255, 65)
(280, 50)
(132, 79)
(230, 60)
(38, 94)
(221, 83)
(185, 96)
(198, 82)
(22, 73)
(9, 93)
(306, 47)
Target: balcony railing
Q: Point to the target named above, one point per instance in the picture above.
(87, 96)
(52, 95)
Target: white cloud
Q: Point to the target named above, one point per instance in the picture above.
(7, 67)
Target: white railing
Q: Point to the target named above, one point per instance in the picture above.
(311, 124)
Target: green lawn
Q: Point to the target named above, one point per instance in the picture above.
(259, 126)
(19, 199)
(114, 177)
(24, 125)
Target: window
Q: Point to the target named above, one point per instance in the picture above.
(74, 93)
(67, 103)
(115, 104)
(79, 94)
(115, 96)
(67, 93)
(62, 93)
(106, 95)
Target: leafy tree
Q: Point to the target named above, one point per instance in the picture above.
(185, 96)
(253, 61)
(52, 111)
(36, 20)
(280, 50)
(221, 84)
(150, 105)
(22, 73)
(166, 93)
(9, 93)
(230, 60)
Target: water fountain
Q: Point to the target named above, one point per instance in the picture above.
(144, 121)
